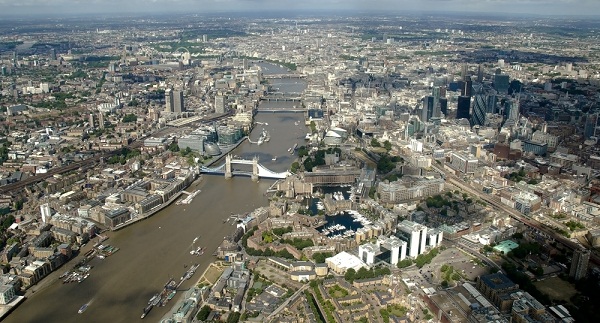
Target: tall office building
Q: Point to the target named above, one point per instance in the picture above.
(436, 93)
(464, 72)
(501, 83)
(415, 235)
(511, 112)
(463, 107)
(444, 106)
(100, 120)
(478, 117)
(492, 104)
(220, 104)
(91, 120)
(467, 89)
(178, 102)
(479, 74)
(591, 123)
(53, 54)
(428, 108)
(169, 104)
(579, 265)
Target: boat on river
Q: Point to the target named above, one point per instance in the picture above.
(83, 308)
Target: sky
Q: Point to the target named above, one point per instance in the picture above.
(58, 7)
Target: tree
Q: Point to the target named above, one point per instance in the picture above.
(233, 317)
(130, 118)
(404, 263)
(387, 145)
(350, 274)
(375, 143)
(320, 257)
(294, 167)
(308, 164)
(174, 147)
(204, 312)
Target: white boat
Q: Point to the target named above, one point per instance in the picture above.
(274, 158)
(83, 308)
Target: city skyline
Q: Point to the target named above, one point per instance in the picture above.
(536, 7)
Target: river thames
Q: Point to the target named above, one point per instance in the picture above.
(156, 249)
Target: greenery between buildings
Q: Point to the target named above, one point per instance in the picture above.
(313, 306)
(319, 257)
(203, 313)
(364, 273)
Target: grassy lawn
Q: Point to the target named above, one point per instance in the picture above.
(397, 310)
(212, 274)
(556, 288)
(337, 292)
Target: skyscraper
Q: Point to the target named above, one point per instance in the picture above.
(444, 106)
(579, 265)
(464, 71)
(501, 83)
(428, 108)
(169, 104)
(100, 120)
(478, 117)
(467, 89)
(492, 104)
(53, 54)
(511, 112)
(220, 104)
(463, 107)
(178, 102)
(436, 93)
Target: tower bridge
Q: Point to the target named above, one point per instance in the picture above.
(258, 170)
(284, 76)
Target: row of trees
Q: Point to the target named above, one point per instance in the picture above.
(124, 155)
(363, 273)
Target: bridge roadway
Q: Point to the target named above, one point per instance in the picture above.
(497, 203)
(261, 170)
(284, 76)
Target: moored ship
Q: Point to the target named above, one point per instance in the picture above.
(146, 310)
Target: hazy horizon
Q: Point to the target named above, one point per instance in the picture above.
(90, 7)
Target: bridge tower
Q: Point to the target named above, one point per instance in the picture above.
(228, 173)
(255, 168)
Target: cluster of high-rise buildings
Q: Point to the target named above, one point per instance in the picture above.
(411, 239)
